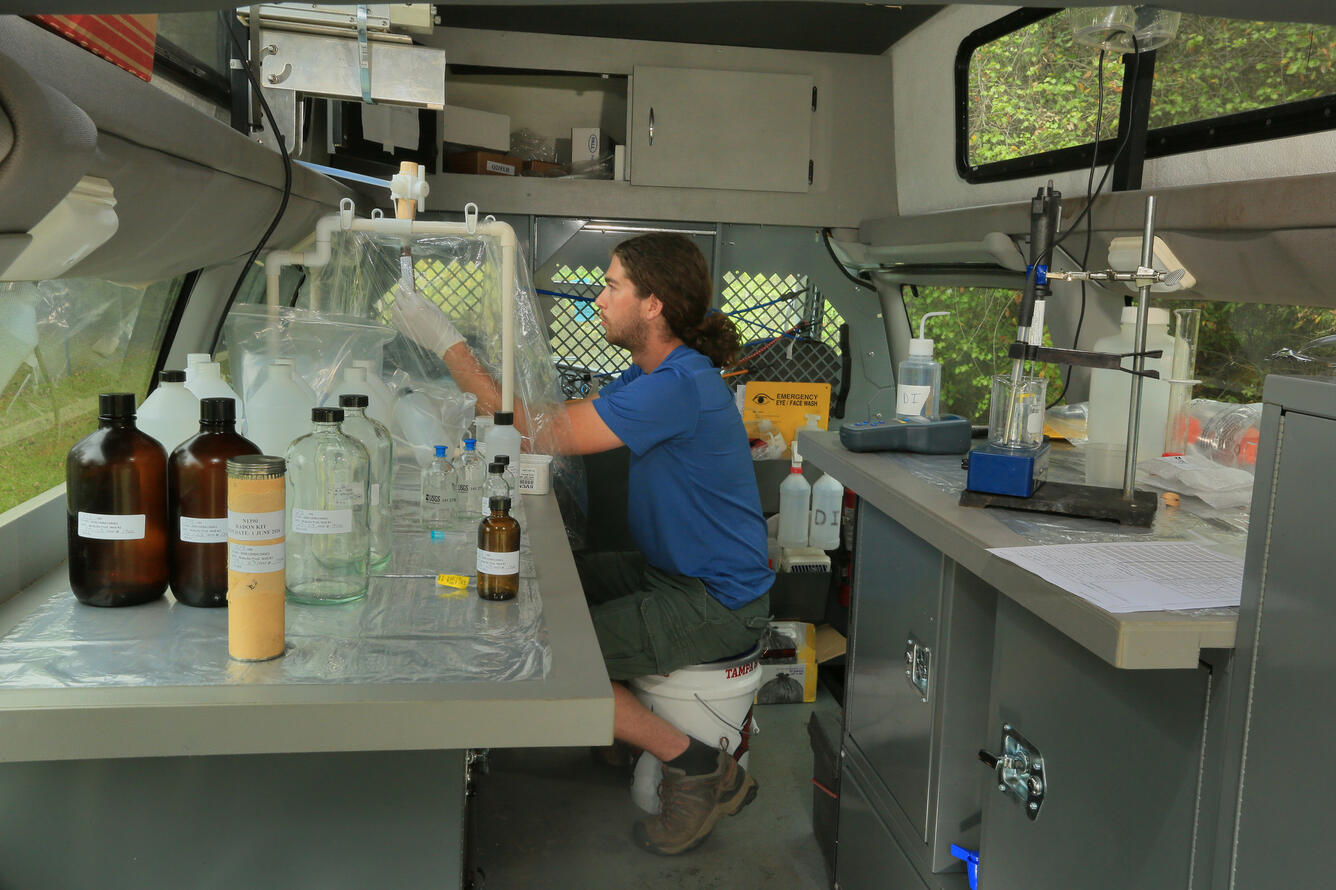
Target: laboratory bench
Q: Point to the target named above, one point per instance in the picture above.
(1111, 721)
(309, 773)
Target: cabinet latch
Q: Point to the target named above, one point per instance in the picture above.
(1020, 770)
(918, 665)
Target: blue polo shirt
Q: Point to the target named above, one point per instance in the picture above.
(692, 503)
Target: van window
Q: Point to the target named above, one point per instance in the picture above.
(61, 343)
(1027, 94)
(1240, 343)
(971, 343)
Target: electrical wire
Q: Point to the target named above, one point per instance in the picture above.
(825, 239)
(282, 204)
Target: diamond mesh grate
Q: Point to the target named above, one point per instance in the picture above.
(765, 306)
(458, 286)
(578, 346)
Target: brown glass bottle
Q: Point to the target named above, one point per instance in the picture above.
(116, 510)
(499, 553)
(197, 505)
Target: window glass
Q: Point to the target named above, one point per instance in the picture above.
(1217, 66)
(61, 343)
(972, 343)
(1034, 90)
(1240, 343)
(198, 33)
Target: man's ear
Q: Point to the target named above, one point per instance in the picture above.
(652, 307)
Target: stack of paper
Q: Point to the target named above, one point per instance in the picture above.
(1136, 577)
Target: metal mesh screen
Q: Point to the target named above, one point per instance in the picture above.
(766, 306)
(578, 346)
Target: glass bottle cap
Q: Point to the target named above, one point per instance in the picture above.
(353, 400)
(217, 410)
(255, 466)
(116, 405)
(327, 415)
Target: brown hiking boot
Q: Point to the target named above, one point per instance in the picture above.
(691, 805)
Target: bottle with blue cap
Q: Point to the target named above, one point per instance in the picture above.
(918, 381)
(439, 493)
(470, 476)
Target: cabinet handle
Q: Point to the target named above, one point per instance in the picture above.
(651, 126)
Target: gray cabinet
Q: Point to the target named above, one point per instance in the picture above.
(720, 129)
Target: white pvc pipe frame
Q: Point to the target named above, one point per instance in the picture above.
(346, 221)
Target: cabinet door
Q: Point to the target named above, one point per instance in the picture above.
(720, 129)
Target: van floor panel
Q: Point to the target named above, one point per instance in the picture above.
(552, 819)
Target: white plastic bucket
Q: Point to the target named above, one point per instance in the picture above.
(708, 702)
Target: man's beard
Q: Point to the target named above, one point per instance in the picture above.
(632, 337)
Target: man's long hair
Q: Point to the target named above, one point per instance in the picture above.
(672, 268)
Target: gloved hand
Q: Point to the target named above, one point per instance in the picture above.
(421, 321)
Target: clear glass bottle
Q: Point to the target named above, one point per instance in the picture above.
(328, 537)
(197, 505)
(494, 486)
(440, 493)
(375, 438)
(116, 503)
(498, 552)
(512, 485)
(470, 474)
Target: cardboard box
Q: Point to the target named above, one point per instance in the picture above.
(485, 163)
(126, 41)
(543, 168)
(478, 129)
(791, 651)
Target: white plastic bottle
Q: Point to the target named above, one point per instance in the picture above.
(918, 380)
(356, 381)
(795, 501)
(278, 411)
(418, 423)
(827, 506)
(205, 381)
(503, 439)
(193, 359)
(171, 413)
(1110, 392)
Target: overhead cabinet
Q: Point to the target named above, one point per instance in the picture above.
(696, 128)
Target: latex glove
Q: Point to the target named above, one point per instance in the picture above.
(421, 321)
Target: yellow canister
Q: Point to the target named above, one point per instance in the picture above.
(255, 557)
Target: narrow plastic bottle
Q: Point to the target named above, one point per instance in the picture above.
(498, 552)
(503, 440)
(440, 494)
(1110, 394)
(277, 412)
(206, 381)
(328, 537)
(918, 380)
(827, 506)
(380, 391)
(375, 438)
(470, 474)
(116, 510)
(795, 500)
(171, 412)
(197, 505)
(354, 380)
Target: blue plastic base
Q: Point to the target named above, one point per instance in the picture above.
(1011, 471)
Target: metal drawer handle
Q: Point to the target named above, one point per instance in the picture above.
(651, 126)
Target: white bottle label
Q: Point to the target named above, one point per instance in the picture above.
(375, 494)
(322, 522)
(255, 559)
(112, 526)
(431, 499)
(254, 526)
(347, 494)
(492, 563)
(911, 400)
(203, 531)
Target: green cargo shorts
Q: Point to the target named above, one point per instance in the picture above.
(652, 622)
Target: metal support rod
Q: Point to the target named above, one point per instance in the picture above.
(1139, 360)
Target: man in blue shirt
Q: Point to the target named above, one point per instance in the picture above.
(697, 587)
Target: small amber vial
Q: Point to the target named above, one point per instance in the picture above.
(499, 553)
(256, 557)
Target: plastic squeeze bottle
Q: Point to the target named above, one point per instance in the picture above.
(795, 500)
(918, 381)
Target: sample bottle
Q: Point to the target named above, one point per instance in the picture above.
(197, 505)
(827, 507)
(795, 500)
(355, 380)
(116, 510)
(470, 474)
(277, 412)
(918, 381)
(440, 493)
(328, 539)
(381, 395)
(494, 486)
(503, 440)
(255, 557)
(193, 360)
(171, 412)
(375, 438)
(498, 552)
(205, 381)
(1110, 392)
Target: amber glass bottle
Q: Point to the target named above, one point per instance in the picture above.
(116, 510)
(197, 504)
(499, 553)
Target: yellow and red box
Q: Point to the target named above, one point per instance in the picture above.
(126, 41)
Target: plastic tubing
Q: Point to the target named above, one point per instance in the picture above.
(320, 255)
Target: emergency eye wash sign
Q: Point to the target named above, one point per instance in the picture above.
(786, 405)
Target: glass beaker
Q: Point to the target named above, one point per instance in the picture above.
(1016, 413)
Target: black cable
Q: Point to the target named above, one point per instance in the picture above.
(282, 204)
(825, 239)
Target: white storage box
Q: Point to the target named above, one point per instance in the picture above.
(535, 473)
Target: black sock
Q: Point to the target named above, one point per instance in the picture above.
(698, 759)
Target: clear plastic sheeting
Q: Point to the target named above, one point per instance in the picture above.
(407, 630)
